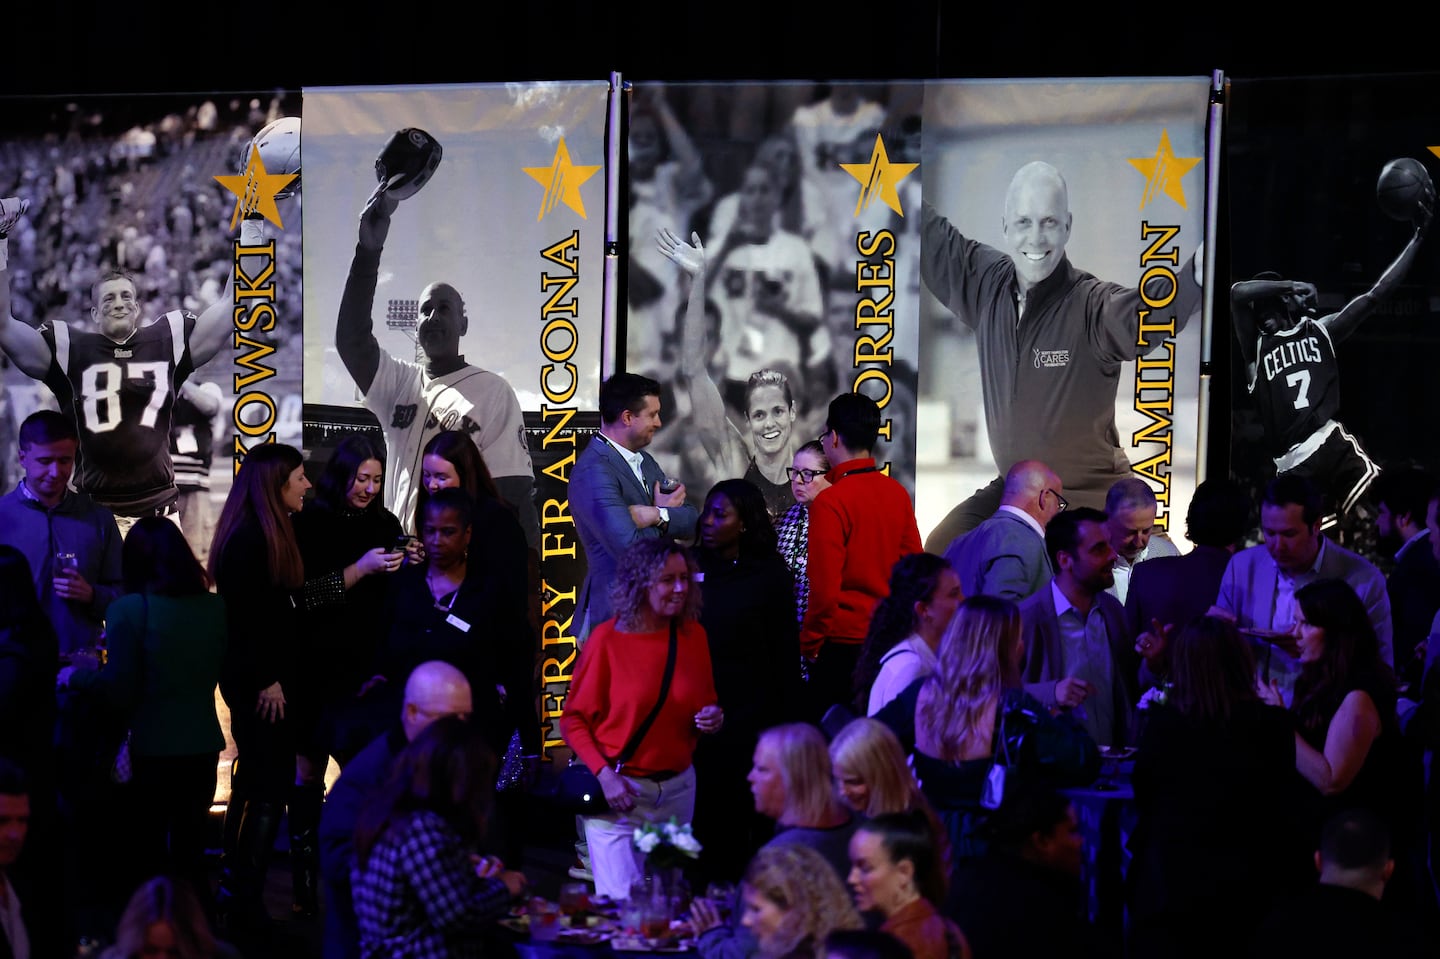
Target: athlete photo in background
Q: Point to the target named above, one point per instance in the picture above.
(1333, 282)
(752, 175)
(114, 293)
(1292, 372)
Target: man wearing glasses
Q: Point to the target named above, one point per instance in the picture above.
(1005, 555)
(859, 529)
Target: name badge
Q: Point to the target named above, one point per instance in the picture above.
(458, 623)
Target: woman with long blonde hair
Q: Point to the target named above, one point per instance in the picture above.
(972, 715)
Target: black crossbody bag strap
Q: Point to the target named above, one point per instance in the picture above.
(644, 727)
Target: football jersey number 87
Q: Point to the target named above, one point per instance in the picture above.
(100, 386)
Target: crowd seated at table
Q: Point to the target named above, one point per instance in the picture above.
(949, 820)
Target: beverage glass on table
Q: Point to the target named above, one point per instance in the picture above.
(544, 920)
(575, 902)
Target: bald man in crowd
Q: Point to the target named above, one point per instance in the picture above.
(1005, 555)
(1052, 339)
(434, 690)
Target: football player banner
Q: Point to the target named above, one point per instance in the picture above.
(155, 295)
(1332, 285)
(805, 201)
(460, 228)
(139, 201)
(1061, 319)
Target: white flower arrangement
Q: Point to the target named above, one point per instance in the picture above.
(666, 844)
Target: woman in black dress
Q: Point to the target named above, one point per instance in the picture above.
(748, 611)
(347, 541)
(256, 565)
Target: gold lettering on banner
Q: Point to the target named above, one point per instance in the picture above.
(1155, 372)
(559, 379)
(253, 312)
(875, 320)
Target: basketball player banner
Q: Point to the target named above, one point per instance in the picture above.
(1059, 231)
(1332, 283)
(461, 228)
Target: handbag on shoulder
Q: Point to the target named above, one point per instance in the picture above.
(576, 789)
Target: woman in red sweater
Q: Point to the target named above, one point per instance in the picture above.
(617, 684)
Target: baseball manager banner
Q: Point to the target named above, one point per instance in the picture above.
(1061, 319)
(455, 246)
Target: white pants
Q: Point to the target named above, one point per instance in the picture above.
(614, 859)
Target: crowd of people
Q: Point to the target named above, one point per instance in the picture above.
(869, 739)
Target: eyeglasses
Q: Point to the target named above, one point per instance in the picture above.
(824, 433)
(1064, 503)
(804, 476)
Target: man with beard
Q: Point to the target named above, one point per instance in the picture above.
(1077, 648)
(415, 401)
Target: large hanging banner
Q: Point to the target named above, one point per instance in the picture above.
(168, 333)
(497, 240)
(805, 198)
(1332, 302)
(1086, 199)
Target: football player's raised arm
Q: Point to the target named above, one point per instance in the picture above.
(354, 334)
(22, 343)
(216, 321)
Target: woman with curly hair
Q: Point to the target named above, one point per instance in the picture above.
(905, 629)
(972, 714)
(747, 610)
(645, 769)
(896, 872)
(790, 901)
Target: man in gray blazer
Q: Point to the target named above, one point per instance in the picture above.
(1078, 651)
(616, 493)
(1005, 555)
(1257, 591)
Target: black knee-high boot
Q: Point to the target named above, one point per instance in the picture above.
(305, 803)
(241, 904)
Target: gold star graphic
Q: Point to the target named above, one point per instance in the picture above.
(1434, 150)
(879, 177)
(1163, 172)
(255, 190)
(562, 181)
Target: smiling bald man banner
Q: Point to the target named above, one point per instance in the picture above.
(1051, 338)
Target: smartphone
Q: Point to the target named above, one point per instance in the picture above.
(402, 543)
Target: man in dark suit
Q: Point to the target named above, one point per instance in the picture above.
(1005, 555)
(616, 493)
(1414, 582)
(1169, 591)
(1077, 649)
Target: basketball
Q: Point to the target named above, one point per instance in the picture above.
(1403, 184)
(279, 146)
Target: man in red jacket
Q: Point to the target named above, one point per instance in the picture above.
(859, 528)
